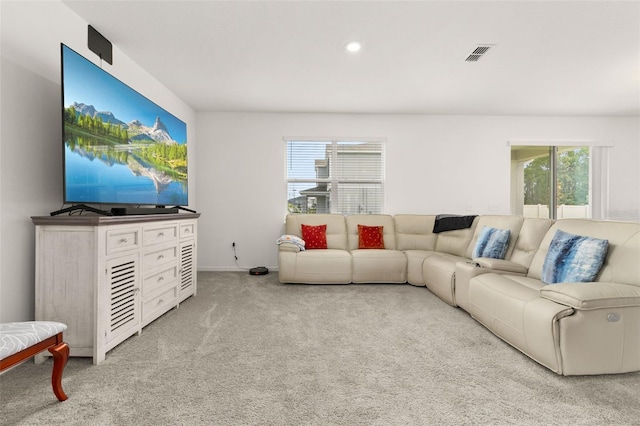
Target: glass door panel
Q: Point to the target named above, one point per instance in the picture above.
(551, 181)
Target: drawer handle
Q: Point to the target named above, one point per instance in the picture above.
(160, 278)
(161, 234)
(161, 257)
(186, 231)
(160, 302)
(123, 240)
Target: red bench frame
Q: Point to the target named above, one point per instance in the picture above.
(60, 351)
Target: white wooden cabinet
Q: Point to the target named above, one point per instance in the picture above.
(107, 277)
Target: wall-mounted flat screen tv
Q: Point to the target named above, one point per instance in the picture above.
(119, 146)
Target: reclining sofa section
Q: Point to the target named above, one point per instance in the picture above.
(572, 328)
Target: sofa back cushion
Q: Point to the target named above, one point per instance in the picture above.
(415, 232)
(531, 234)
(386, 221)
(621, 264)
(511, 222)
(456, 242)
(336, 227)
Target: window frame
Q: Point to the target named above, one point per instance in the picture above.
(598, 173)
(334, 181)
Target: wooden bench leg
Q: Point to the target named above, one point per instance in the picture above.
(60, 354)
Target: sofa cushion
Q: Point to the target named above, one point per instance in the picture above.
(379, 266)
(455, 242)
(511, 307)
(621, 263)
(336, 227)
(384, 220)
(492, 242)
(315, 237)
(573, 258)
(415, 232)
(370, 237)
(528, 240)
(499, 302)
(315, 267)
(415, 260)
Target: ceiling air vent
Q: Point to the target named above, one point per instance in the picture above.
(478, 52)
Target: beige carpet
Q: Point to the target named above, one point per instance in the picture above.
(250, 351)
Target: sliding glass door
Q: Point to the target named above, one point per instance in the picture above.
(551, 181)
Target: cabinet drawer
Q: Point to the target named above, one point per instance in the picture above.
(156, 306)
(159, 234)
(187, 230)
(122, 239)
(162, 278)
(152, 259)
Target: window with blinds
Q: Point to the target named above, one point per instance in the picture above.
(335, 176)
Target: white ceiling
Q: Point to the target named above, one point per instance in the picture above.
(549, 58)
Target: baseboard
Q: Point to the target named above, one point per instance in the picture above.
(230, 269)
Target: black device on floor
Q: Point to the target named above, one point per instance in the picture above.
(259, 270)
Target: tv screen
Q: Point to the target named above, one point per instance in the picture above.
(119, 147)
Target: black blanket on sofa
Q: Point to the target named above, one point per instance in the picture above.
(448, 222)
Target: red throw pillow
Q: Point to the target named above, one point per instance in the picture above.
(370, 237)
(315, 237)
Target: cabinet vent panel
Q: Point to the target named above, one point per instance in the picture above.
(121, 299)
(123, 282)
(122, 267)
(186, 266)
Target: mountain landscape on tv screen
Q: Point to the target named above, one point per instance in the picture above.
(148, 151)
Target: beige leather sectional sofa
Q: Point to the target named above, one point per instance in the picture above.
(570, 328)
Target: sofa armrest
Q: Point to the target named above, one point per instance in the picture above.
(500, 265)
(594, 295)
(288, 247)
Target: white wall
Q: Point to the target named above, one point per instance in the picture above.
(30, 132)
(435, 164)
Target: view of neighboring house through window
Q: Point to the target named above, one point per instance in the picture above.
(551, 181)
(335, 176)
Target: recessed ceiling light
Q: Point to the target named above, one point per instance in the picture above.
(353, 46)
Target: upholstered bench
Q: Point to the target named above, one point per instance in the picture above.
(20, 341)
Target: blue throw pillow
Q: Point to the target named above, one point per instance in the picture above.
(492, 243)
(573, 258)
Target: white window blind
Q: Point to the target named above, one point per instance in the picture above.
(335, 176)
